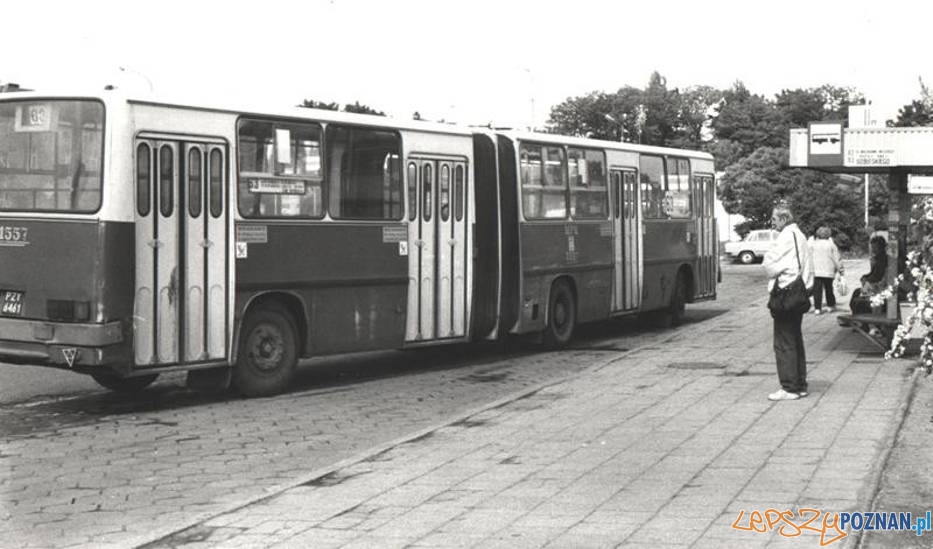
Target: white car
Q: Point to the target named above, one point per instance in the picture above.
(752, 247)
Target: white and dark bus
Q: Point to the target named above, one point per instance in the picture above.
(140, 236)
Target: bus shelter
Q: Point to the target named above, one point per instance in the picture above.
(905, 155)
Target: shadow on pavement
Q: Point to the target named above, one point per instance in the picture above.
(337, 374)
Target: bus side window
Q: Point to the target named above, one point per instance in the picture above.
(363, 173)
(166, 180)
(427, 181)
(445, 192)
(678, 178)
(194, 182)
(280, 170)
(143, 180)
(458, 192)
(216, 183)
(412, 191)
(652, 186)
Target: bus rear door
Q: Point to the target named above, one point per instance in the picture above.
(626, 236)
(437, 254)
(180, 309)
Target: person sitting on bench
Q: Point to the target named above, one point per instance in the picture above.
(873, 282)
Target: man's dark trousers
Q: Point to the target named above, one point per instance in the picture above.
(789, 353)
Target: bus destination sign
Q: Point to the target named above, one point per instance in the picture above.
(276, 186)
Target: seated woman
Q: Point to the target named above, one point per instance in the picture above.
(874, 281)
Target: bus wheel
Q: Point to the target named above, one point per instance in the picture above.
(562, 316)
(124, 384)
(678, 300)
(268, 355)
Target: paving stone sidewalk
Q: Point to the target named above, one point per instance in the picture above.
(664, 446)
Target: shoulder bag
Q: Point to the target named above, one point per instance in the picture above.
(793, 299)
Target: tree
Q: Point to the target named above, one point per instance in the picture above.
(356, 107)
(586, 116)
(662, 107)
(655, 116)
(698, 107)
(312, 104)
(362, 109)
(745, 123)
(918, 113)
(752, 185)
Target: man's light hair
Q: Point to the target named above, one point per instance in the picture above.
(782, 212)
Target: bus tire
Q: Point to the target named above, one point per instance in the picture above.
(562, 315)
(268, 353)
(678, 306)
(124, 384)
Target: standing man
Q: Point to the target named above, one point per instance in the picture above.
(789, 257)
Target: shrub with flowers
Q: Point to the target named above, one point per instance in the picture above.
(918, 280)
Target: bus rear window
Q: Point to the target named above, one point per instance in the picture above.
(50, 155)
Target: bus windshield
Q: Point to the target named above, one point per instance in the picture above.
(50, 155)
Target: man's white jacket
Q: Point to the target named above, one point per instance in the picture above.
(781, 260)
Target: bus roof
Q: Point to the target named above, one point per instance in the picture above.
(614, 145)
(227, 107)
(296, 112)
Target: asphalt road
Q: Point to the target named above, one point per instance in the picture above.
(27, 384)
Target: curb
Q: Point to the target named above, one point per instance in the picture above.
(869, 493)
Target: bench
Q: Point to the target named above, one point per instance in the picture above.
(863, 324)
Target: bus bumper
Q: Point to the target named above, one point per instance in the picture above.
(59, 344)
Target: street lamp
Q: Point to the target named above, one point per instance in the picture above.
(612, 119)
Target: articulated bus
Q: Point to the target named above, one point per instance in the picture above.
(140, 236)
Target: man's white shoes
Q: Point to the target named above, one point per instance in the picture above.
(783, 395)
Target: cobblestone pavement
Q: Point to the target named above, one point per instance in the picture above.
(666, 446)
(684, 423)
(103, 470)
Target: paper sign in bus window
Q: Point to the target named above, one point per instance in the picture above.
(276, 186)
(283, 146)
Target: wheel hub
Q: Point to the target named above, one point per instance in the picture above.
(267, 348)
(560, 314)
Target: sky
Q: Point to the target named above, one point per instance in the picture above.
(471, 62)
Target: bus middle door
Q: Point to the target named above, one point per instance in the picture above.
(437, 301)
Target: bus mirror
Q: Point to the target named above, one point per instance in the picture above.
(283, 146)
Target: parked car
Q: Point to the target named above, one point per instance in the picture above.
(753, 247)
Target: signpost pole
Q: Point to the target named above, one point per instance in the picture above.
(866, 201)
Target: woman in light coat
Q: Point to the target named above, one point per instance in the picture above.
(826, 263)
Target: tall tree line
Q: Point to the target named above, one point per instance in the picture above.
(748, 135)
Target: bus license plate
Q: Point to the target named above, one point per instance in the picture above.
(11, 303)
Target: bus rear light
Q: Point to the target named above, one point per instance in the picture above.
(68, 311)
(82, 311)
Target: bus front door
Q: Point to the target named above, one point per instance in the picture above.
(627, 242)
(180, 309)
(437, 249)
